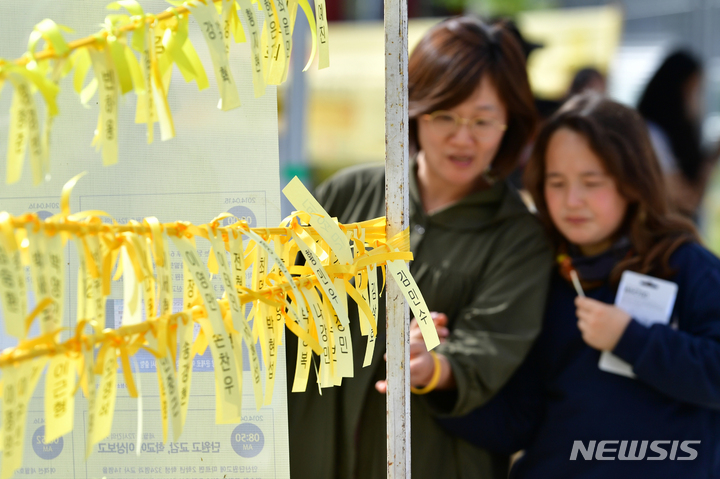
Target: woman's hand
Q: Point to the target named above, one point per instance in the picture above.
(602, 325)
(440, 321)
(422, 364)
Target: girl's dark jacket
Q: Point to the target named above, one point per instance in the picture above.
(664, 424)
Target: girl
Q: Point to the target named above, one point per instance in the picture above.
(599, 189)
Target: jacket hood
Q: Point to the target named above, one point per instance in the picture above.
(475, 211)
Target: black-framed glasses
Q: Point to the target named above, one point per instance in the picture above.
(448, 123)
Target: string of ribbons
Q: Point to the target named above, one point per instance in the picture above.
(136, 51)
(264, 290)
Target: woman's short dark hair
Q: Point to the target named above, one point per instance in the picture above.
(446, 68)
(618, 136)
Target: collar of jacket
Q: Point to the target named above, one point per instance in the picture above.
(475, 211)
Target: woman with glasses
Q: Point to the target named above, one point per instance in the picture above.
(480, 259)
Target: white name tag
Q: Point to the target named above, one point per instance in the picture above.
(648, 300)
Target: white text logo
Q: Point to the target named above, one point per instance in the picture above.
(634, 450)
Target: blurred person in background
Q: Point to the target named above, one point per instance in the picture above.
(545, 107)
(585, 79)
(672, 107)
(481, 261)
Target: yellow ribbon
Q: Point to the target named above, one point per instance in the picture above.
(65, 195)
(39, 308)
(119, 58)
(48, 89)
(179, 50)
(138, 19)
(134, 255)
(157, 239)
(271, 301)
(50, 32)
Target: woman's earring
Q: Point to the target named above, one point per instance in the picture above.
(489, 178)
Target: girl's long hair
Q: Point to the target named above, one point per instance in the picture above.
(618, 136)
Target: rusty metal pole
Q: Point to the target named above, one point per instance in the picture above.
(397, 212)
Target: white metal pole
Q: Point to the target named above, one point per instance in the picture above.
(397, 212)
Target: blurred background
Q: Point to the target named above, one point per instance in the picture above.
(334, 118)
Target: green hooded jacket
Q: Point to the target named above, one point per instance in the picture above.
(484, 262)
